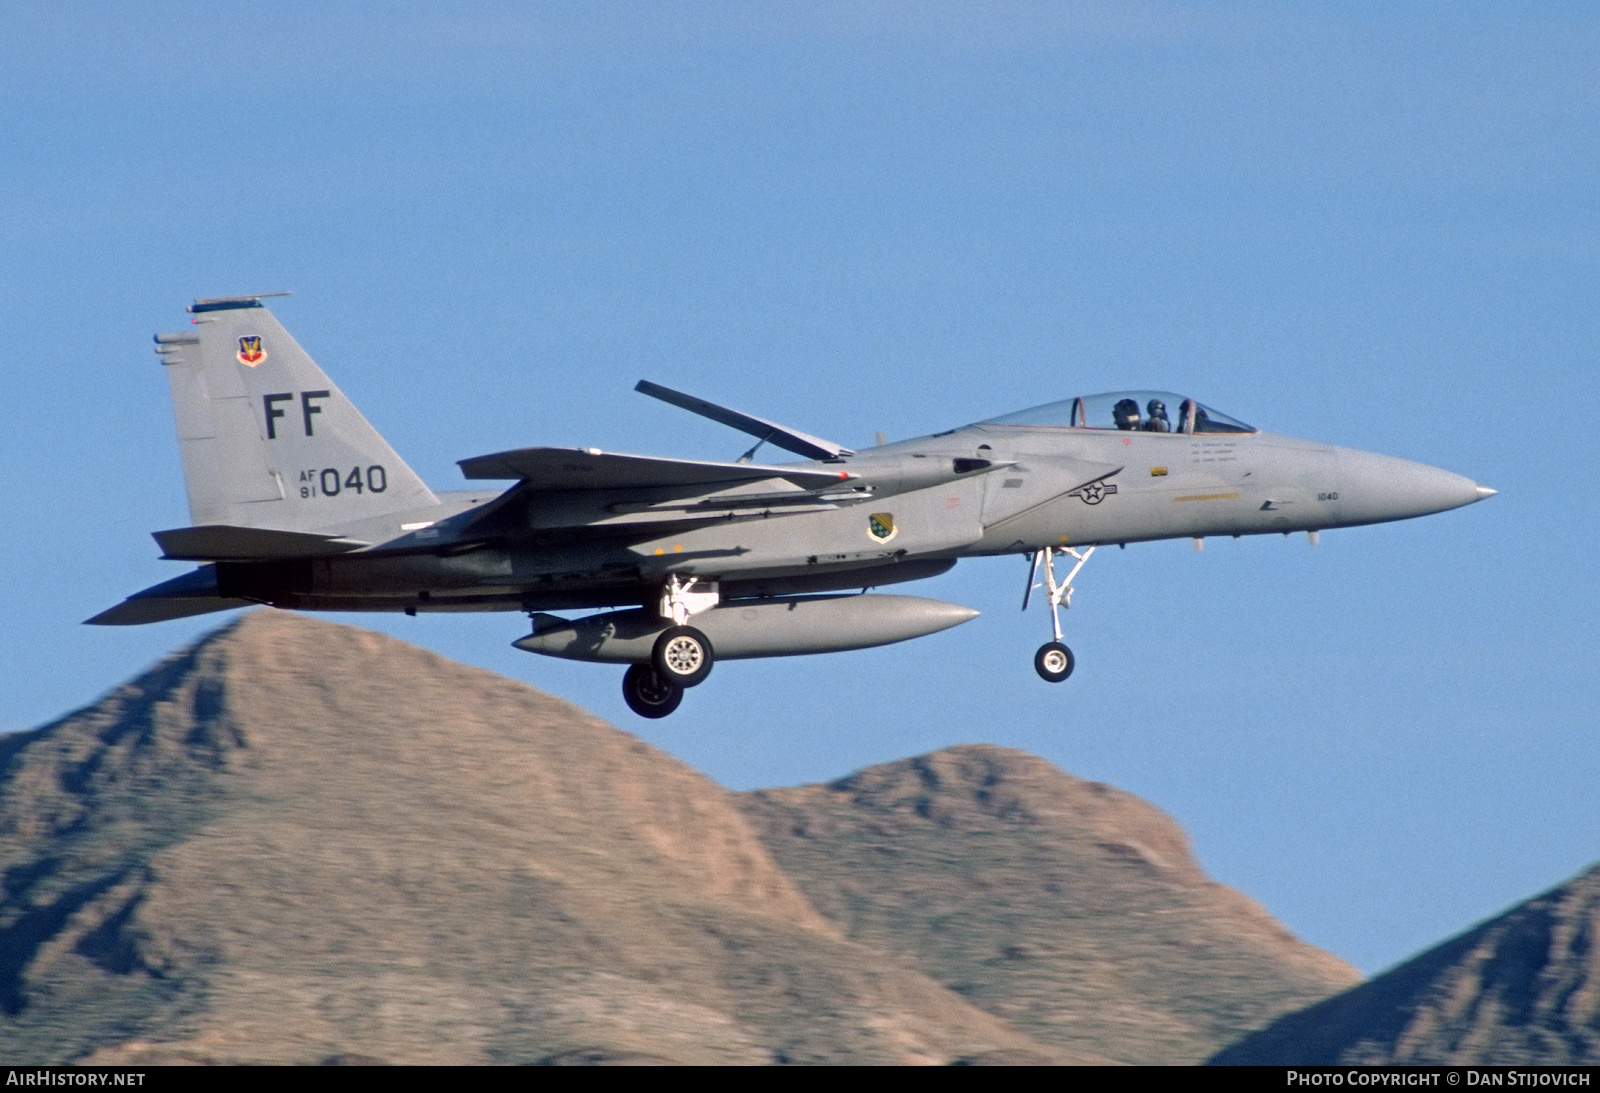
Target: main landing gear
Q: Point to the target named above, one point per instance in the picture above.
(647, 694)
(1054, 661)
(682, 656)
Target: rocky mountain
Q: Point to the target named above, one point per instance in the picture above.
(1071, 909)
(1521, 988)
(297, 842)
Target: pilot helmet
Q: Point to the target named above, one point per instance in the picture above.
(1156, 408)
(1125, 414)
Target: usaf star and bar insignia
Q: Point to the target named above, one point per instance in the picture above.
(1092, 493)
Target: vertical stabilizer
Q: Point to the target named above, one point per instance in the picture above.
(268, 441)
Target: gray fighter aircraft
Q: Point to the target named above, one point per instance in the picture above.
(296, 501)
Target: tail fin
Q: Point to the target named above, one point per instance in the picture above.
(268, 441)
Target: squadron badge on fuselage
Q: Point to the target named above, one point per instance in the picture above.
(880, 525)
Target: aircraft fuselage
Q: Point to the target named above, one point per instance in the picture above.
(1063, 487)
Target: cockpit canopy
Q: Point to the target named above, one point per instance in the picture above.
(1133, 411)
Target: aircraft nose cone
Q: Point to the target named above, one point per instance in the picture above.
(1376, 487)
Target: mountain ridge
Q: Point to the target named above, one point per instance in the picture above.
(1522, 987)
(1085, 919)
(297, 841)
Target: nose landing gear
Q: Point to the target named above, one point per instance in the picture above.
(1054, 661)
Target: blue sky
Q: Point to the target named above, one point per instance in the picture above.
(1368, 224)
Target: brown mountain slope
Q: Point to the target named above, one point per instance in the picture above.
(1069, 908)
(1522, 988)
(298, 840)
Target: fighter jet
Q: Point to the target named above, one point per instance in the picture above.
(297, 502)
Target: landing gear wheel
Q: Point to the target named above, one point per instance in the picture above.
(647, 694)
(682, 655)
(1053, 662)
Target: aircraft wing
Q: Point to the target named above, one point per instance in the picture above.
(592, 469)
(769, 432)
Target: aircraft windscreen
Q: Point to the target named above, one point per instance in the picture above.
(1134, 411)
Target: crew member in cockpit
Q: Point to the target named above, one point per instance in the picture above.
(1125, 414)
(1156, 417)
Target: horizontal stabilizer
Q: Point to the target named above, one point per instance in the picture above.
(194, 593)
(137, 611)
(226, 543)
(769, 432)
(592, 469)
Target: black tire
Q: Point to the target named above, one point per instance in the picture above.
(1053, 662)
(682, 655)
(647, 694)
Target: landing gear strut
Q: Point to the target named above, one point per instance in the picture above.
(681, 656)
(1054, 661)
